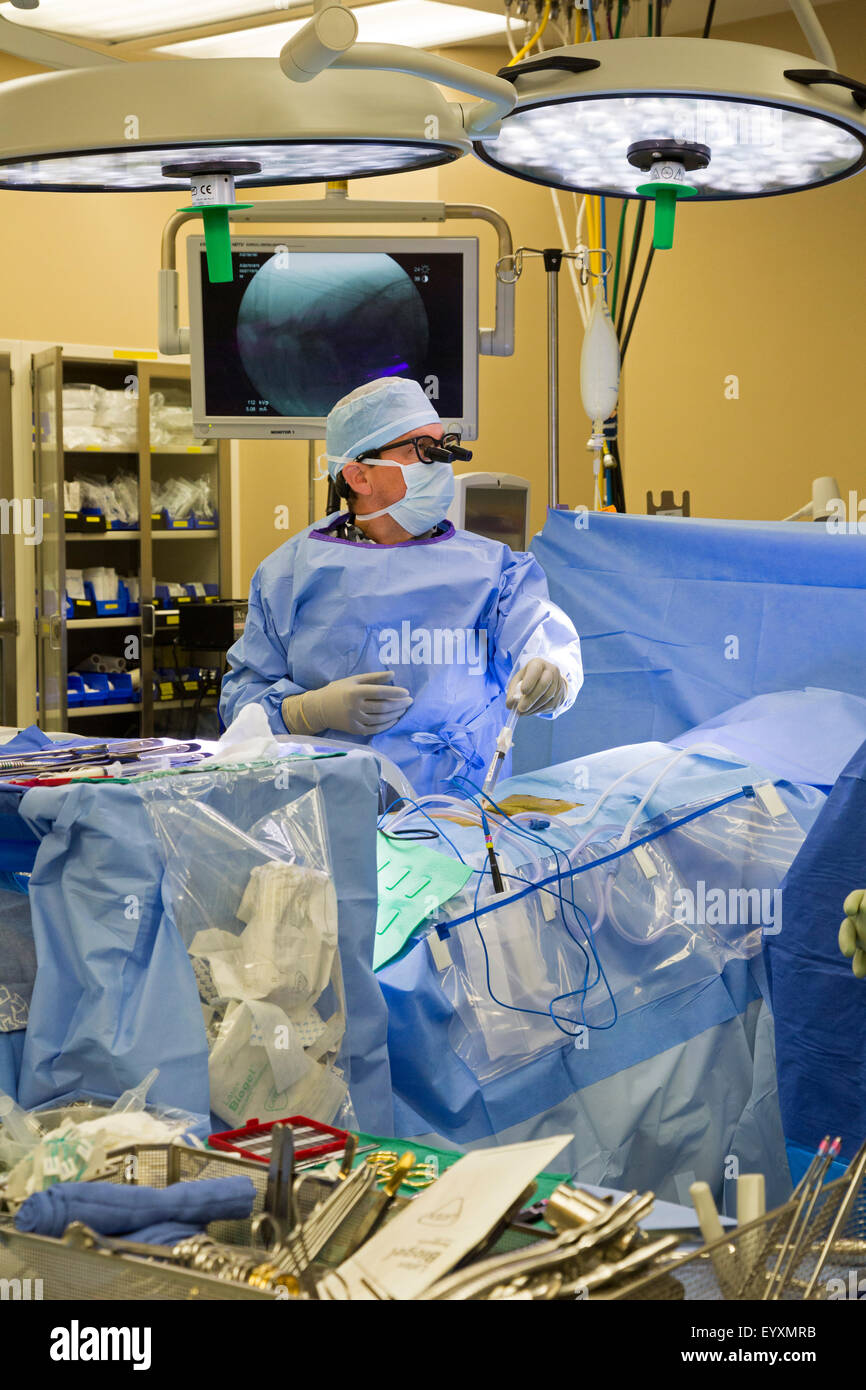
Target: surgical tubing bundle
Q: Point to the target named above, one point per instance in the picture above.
(444, 929)
(664, 928)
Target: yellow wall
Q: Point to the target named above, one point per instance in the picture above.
(769, 290)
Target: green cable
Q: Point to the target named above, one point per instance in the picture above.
(650, 29)
(618, 256)
(618, 18)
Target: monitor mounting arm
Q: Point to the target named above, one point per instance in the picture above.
(337, 207)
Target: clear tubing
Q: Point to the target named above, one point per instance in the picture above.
(677, 757)
(708, 748)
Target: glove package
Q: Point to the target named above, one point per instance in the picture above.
(257, 910)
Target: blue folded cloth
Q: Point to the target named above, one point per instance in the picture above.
(115, 1208)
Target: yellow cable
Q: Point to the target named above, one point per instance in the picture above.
(522, 52)
(592, 227)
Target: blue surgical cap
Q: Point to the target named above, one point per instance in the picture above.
(373, 415)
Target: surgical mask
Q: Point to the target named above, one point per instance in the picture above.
(429, 494)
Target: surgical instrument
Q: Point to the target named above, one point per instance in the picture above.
(278, 1222)
(439, 1229)
(810, 1190)
(349, 1153)
(227, 1263)
(571, 1252)
(856, 1170)
(325, 1162)
(46, 761)
(378, 1203)
(330, 1214)
(503, 746)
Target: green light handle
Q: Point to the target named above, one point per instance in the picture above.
(665, 195)
(663, 225)
(217, 239)
(218, 244)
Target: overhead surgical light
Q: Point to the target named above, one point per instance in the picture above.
(727, 120)
(114, 128)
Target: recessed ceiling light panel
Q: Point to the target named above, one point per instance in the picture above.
(107, 21)
(580, 109)
(418, 23)
(112, 129)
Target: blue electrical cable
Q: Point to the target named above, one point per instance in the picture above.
(399, 801)
(590, 8)
(578, 914)
(556, 1019)
(444, 929)
(448, 927)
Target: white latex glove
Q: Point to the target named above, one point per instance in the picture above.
(543, 687)
(365, 704)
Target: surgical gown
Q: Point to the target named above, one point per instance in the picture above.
(452, 615)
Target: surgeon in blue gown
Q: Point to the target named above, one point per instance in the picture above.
(384, 625)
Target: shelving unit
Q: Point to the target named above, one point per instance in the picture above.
(144, 639)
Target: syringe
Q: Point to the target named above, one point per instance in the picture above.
(503, 746)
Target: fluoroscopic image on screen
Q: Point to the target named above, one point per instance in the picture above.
(295, 330)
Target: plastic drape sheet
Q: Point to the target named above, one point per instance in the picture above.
(116, 993)
(681, 618)
(686, 1078)
(666, 918)
(805, 736)
(819, 1006)
(257, 911)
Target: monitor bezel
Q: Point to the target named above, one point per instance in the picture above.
(301, 427)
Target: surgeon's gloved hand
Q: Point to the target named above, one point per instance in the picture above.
(852, 933)
(365, 704)
(543, 687)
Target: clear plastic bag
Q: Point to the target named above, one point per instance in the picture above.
(17, 960)
(170, 419)
(116, 498)
(537, 973)
(257, 910)
(183, 497)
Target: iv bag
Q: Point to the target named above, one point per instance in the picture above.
(599, 362)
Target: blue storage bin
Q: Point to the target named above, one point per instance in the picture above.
(74, 689)
(170, 600)
(103, 689)
(96, 688)
(131, 608)
(122, 690)
(108, 608)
